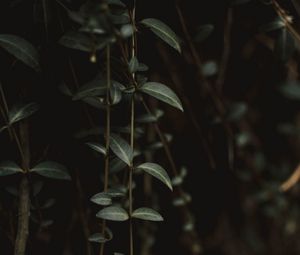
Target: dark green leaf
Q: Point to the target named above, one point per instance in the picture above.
(97, 238)
(121, 148)
(97, 147)
(96, 87)
(148, 118)
(20, 112)
(81, 41)
(274, 25)
(291, 90)
(116, 165)
(117, 191)
(203, 32)
(102, 198)
(20, 49)
(126, 30)
(163, 31)
(133, 65)
(157, 171)
(115, 94)
(52, 170)
(145, 213)
(9, 168)
(114, 213)
(161, 92)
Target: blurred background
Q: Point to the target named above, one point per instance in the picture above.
(237, 143)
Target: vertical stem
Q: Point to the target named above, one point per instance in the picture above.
(132, 113)
(23, 217)
(132, 116)
(107, 135)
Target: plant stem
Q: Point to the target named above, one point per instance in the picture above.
(23, 217)
(107, 134)
(132, 117)
(132, 113)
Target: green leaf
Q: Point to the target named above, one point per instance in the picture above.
(9, 168)
(20, 49)
(273, 25)
(52, 170)
(148, 118)
(157, 171)
(284, 45)
(133, 65)
(126, 30)
(162, 93)
(80, 41)
(97, 238)
(96, 87)
(114, 213)
(121, 148)
(97, 147)
(117, 192)
(102, 198)
(145, 213)
(164, 32)
(20, 112)
(291, 90)
(115, 94)
(3, 128)
(237, 111)
(116, 165)
(203, 32)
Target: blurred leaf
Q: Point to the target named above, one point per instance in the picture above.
(157, 171)
(274, 25)
(52, 170)
(284, 45)
(148, 118)
(97, 147)
(162, 93)
(9, 168)
(291, 90)
(209, 68)
(133, 65)
(21, 49)
(121, 149)
(96, 87)
(126, 30)
(116, 165)
(145, 213)
(116, 192)
(237, 111)
(97, 238)
(203, 32)
(114, 213)
(81, 41)
(163, 31)
(20, 112)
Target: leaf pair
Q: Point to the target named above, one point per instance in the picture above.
(116, 213)
(47, 169)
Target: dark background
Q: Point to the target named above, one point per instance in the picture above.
(237, 206)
